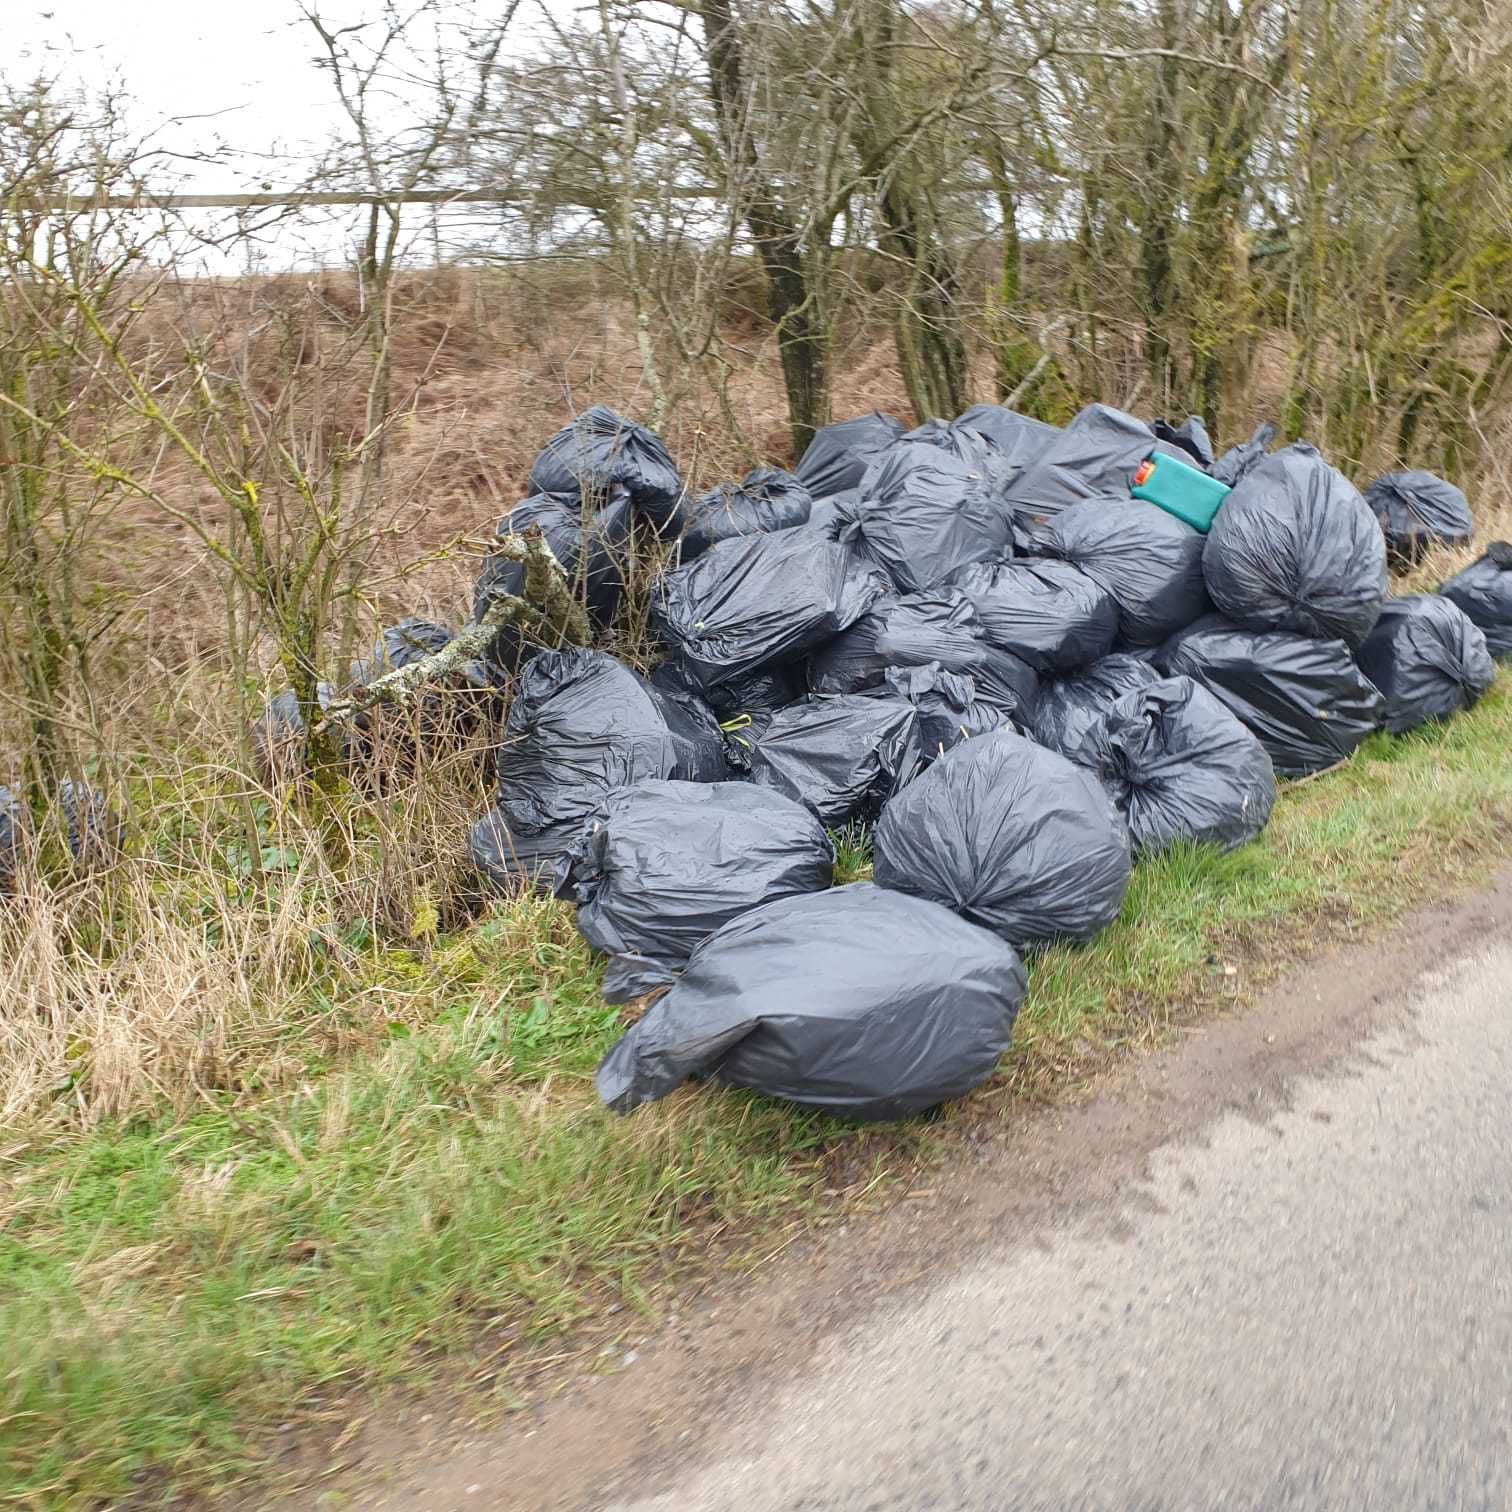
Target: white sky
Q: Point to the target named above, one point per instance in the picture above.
(244, 68)
(232, 77)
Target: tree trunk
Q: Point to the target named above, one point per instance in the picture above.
(792, 290)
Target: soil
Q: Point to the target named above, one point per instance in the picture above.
(655, 1403)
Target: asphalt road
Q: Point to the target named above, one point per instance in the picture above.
(1308, 1310)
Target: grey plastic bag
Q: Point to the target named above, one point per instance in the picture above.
(1011, 836)
(1428, 660)
(1068, 707)
(1150, 563)
(759, 602)
(1306, 700)
(1416, 510)
(1181, 767)
(1048, 613)
(941, 626)
(1484, 591)
(842, 758)
(600, 449)
(861, 1002)
(839, 454)
(663, 864)
(765, 500)
(1294, 547)
(579, 725)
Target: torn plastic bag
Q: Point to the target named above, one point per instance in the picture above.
(922, 513)
(1427, 659)
(858, 1001)
(593, 560)
(510, 860)
(765, 500)
(1095, 457)
(1306, 700)
(663, 864)
(1019, 438)
(580, 724)
(1069, 707)
(1149, 561)
(949, 706)
(759, 602)
(1010, 835)
(96, 833)
(600, 449)
(1191, 436)
(1239, 461)
(842, 758)
(1416, 510)
(1048, 613)
(1294, 547)
(840, 453)
(1181, 767)
(1484, 591)
(911, 631)
(13, 830)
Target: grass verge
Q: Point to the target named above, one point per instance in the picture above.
(170, 1283)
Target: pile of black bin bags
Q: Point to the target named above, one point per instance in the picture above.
(971, 640)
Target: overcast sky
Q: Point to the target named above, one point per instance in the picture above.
(235, 78)
(244, 68)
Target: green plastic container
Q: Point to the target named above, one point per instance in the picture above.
(1180, 490)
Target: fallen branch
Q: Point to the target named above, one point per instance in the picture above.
(547, 610)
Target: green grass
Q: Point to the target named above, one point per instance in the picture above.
(167, 1285)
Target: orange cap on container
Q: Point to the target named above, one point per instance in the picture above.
(1142, 473)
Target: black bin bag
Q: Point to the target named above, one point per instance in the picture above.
(921, 513)
(759, 602)
(949, 707)
(1148, 561)
(842, 758)
(581, 724)
(1427, 659)
(600, 449)
(1294, 547)
(279, 738)
(510, 860)
(1306, 700)
(1020, 439)
(663, 864)
(1011, 836)
(449, 707)
(1095, 456)
(860, 1002)
(1417, 510)
(1191, 436)
(1181, 767)
(765, 500)
(1484, 591)
(1068, 707)
(1048, 613)
(1239, 461)
(840, 453)
(940, 626)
